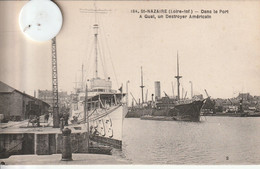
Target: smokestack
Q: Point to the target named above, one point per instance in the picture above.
(157, 92)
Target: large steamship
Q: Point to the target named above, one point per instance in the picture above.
(170, 109)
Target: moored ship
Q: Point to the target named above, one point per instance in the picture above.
(100, 107)
(176, 109)
(189, 111)
(106, 112)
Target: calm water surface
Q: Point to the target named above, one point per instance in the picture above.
(214, 140)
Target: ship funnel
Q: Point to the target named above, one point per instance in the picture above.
(157, 86)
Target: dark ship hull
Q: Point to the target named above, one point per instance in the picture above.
(181, 112)
(187, 112)
(171, 109)
(139, 112)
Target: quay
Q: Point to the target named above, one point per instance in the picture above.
(18, 138)
(43, 145)
(55, 159)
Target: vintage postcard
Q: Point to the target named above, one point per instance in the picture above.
(129, 82)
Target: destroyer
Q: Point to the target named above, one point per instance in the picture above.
(100, 107)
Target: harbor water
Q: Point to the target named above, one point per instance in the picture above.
(214, 140)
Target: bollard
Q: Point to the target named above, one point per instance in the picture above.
(61, 124)
(66, 146)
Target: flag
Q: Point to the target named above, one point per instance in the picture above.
(121, 89)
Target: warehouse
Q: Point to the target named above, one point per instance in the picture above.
(16, 105)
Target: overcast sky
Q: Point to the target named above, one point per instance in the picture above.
(220, 54)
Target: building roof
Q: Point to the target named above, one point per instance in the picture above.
(4, 88)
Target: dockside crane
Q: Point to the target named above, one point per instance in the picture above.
(166, 95)
(134, 98)
(206, 93)
(230, 102)
(209, 104)
(56, 119)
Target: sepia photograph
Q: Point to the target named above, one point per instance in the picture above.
(102, 82)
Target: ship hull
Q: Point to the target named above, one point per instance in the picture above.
(138, 112)
(105, 124)
(158, 118)
(187, 112)
(228, 114)
(182, 112)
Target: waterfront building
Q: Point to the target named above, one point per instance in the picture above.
(46, 96)
(15, 105)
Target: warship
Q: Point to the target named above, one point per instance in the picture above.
(100, 107)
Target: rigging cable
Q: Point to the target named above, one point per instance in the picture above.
(88, 57)
(109, 54)
(103, 54)
(102, 62)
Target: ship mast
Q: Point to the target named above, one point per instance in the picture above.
(178, 78)
(142, 85)
(95, 27)
(96, 49)
(82, 69)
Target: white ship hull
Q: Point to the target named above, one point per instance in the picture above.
(104, 123)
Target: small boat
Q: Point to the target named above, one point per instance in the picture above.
(99, 149)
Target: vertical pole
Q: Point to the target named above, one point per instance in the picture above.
(55, 85)
(82, 86)
(96, 50)
(86, 116)
(178, 81)
(127, 93)
(85, 104)
(178, 77)
(182, 92)
(61, 124)
(122, 95)
(142, 85)
(191, 90)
